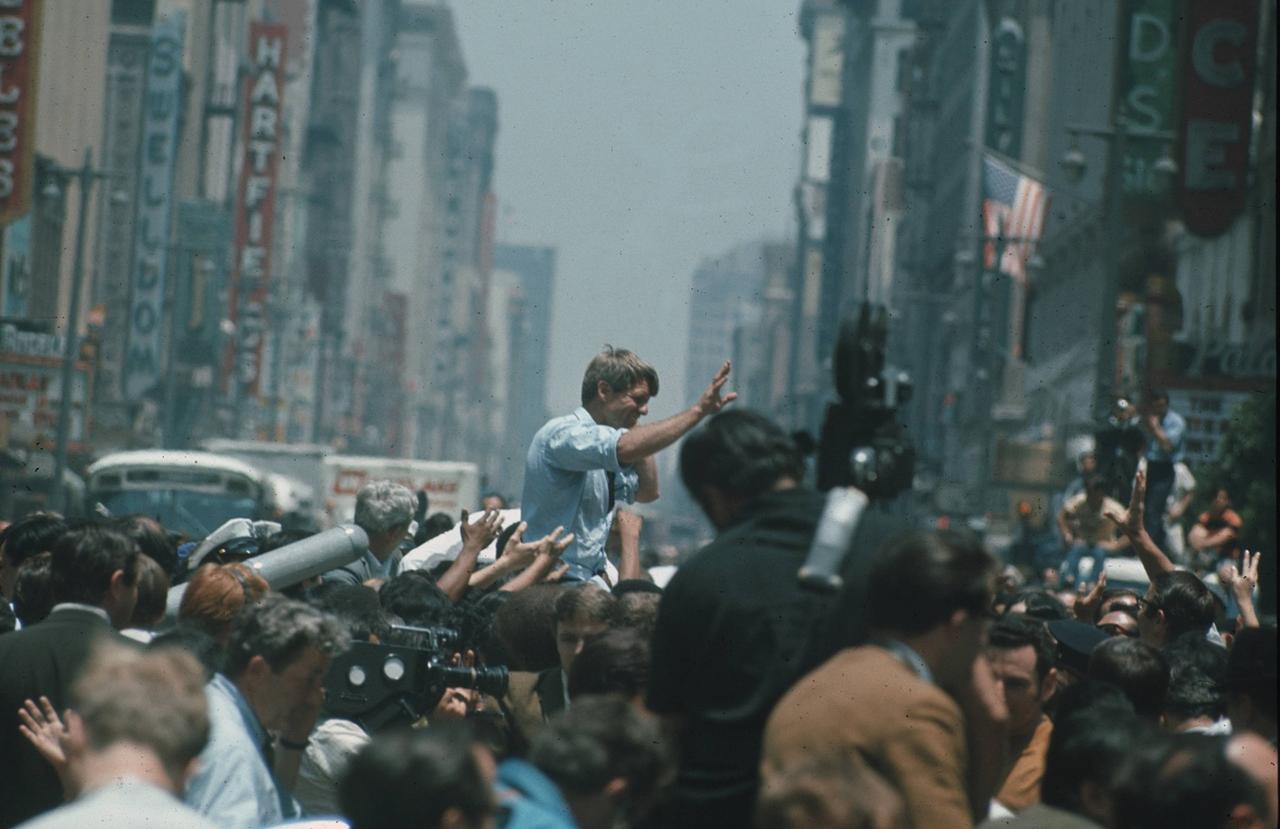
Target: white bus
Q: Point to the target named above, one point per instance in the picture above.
(188, 492)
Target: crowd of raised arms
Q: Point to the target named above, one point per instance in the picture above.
(560, 680)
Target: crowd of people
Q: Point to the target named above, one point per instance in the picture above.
(560, 686)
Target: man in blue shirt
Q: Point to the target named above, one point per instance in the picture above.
(261, 711)
(1164, 430)
(582, 464)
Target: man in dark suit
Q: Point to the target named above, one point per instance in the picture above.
(95, 589)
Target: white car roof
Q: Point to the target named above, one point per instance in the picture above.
(164, 458)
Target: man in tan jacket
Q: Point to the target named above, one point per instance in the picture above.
(898, 704)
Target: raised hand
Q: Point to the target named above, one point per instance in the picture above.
(47, 733)
(1130, 521)
(1244, 581)
(711, 402)
(480, 534)
(1086, 606)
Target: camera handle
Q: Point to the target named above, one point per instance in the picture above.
(839, 521)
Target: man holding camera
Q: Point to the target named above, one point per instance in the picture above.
(1164, 429)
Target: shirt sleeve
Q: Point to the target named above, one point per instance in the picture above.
(625, 485)
(580, 447)
(1174, 428)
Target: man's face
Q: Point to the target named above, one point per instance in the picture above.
(1088, 464)
(1159, 407)
(1015, 670)
(623, 409)
(1221, 502)
(494, 502)
(301, 682)
(571, 635)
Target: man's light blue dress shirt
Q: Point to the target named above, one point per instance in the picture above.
(566, 484)
(1174, 429)
(234, 787)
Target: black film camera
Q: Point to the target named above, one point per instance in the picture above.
(862, 443)
(862, 446)
(380, 685)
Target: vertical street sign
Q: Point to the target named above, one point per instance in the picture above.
(162, 105)
(19, 56)
(1148, 98)
(255, 203)
(1006, 88)
(1219, 66)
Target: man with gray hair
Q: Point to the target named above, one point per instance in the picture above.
(262, 708)
(384, 511)
(581, 464)
(136, 725)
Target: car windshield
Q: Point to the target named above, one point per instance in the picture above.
(194, 513)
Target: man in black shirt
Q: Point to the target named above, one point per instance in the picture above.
(734, 628)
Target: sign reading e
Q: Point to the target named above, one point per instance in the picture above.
(1219, 67)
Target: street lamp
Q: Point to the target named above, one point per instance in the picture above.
(58, 178)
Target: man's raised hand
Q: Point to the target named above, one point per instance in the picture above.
(480, 534)
(711, 402)
(1130, 521)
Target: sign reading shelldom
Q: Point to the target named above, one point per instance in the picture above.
(1219, 66)
(19, 54)
(255, 204)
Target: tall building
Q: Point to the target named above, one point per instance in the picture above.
(534, 268)
(850, 194)
(727, 294)
(431, 77)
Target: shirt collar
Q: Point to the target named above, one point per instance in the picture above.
(908, 656)
(96, 611)
(582, 414)
(251, 721)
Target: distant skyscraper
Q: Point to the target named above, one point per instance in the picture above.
(535, 268)
(727, 291)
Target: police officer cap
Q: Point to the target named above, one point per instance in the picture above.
(1076, 641)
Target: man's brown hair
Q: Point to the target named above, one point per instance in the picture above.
(153, 699)
(621, 369)
(587, 602)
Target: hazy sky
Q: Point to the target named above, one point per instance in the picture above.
(637, 138)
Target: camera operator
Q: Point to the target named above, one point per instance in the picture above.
(735, 630)
(1164, 429)
(1119, 445)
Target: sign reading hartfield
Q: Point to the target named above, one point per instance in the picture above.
(162, 103)
(19, 53)
(255, 203)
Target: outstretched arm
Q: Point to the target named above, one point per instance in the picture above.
(475, 537)
(1153, 559)
(643, 441)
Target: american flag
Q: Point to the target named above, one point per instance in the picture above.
(1013, 209)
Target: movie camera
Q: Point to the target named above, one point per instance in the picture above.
(378, 685)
